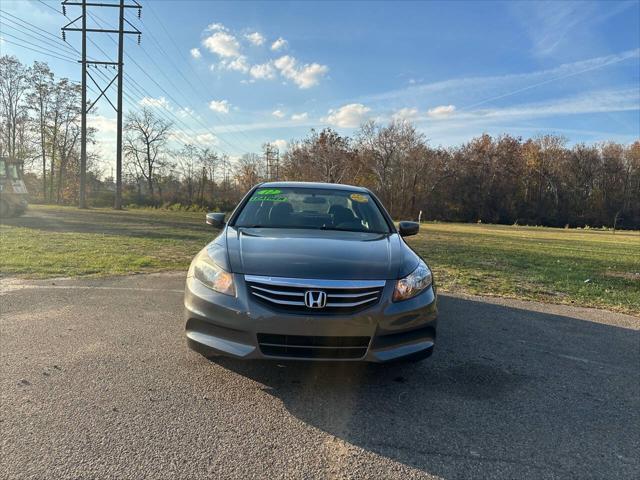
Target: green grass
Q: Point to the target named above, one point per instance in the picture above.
(582, 267)
(55, 241)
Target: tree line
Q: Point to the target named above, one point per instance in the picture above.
(504, 179)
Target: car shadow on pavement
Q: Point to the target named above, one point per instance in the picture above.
(508, 393)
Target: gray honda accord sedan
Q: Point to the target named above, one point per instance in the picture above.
(310, 271)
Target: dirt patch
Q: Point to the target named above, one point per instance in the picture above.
(625, 275)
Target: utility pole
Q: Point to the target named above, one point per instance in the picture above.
(83, 122)
(118, 200)
(119, 64)
(271, 157)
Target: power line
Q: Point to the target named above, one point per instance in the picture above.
(34, 29)
(33, 44)
(183, 140)
(175, 119)
(50, 7)
(172, 98)
(143, 93)
(48, 53)
(179, 70)
(121, 31)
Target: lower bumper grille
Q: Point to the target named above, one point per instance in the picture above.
(318, 347)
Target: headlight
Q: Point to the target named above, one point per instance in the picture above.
(211, 275)
(413, 284)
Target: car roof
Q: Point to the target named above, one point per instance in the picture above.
(330, 186)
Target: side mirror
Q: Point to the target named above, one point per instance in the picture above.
(406, 229)
(215, 219)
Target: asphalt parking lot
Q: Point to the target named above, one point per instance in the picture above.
(97, 382)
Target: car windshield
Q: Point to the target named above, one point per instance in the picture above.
(312, 208)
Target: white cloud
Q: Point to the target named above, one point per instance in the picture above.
(151, 102)
(102, 124)
(278, 113)
(598, 101)
(256, 38)
(441, 111)
(549, 23)
(263, 71)
(278, 44)
(297, 117)
(238, 64)
(187, 112)
(204, 139)
(280, 144)
(310, 75)
(306, 76)
(474, 91)
(555, 26)
(405, 114)
(523, 118)
(348, 116)
(207, 139)
(220, 106)
(216, 27)
(286, 64)
(223, 44)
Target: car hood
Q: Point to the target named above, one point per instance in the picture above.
(321, 254)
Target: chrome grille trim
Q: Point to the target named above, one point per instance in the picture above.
(278, 301)
(315, 283)
(279, 292)
(351, 304)
(350, 295)
(343, 296)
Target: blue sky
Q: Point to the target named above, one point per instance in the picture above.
(237, 74)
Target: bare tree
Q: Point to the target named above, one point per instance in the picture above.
(41, 83)
(145, 142)
(67, 139)
(188, 166)
(248, 171)
(13, 108)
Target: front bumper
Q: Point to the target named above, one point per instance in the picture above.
(218, 324)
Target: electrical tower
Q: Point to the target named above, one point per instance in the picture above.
(272, 159)
(72, 27)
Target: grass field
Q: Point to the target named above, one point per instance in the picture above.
(582, 267)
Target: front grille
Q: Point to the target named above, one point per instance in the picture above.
(287, 294)
(318, 347)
